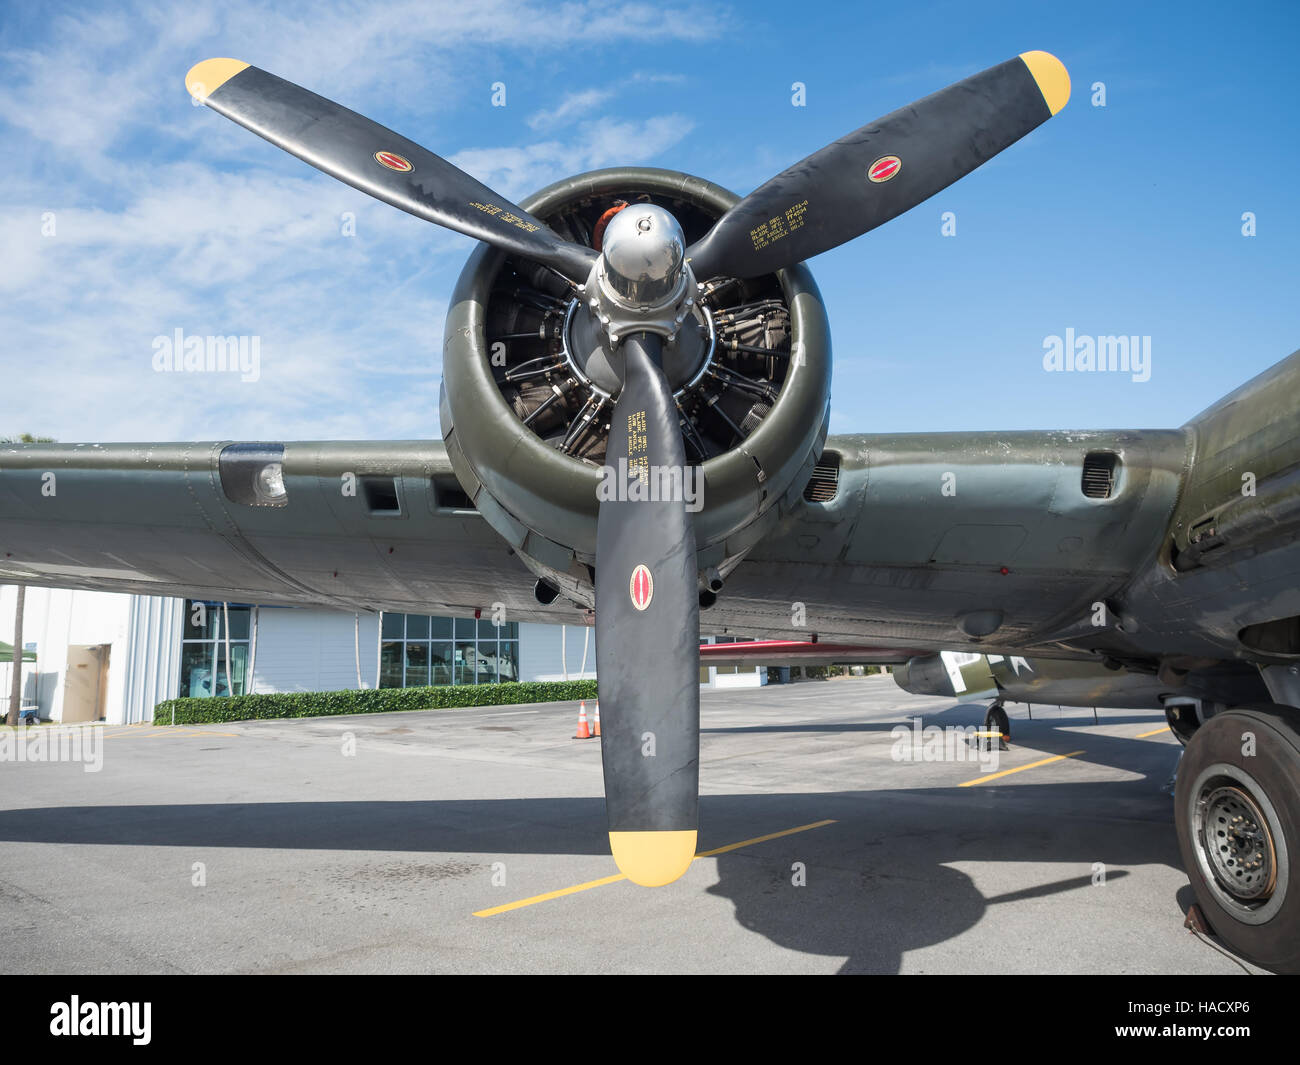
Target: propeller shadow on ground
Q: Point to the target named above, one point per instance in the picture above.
(885, 879)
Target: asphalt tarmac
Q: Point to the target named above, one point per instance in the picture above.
(475, 841)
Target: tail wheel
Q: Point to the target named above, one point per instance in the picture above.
(996, 720)
(1237, 808)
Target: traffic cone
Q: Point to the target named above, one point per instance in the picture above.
(584, 733)
(597, 732)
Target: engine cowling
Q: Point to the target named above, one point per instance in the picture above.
(528, 375)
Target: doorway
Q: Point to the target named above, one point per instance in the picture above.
(85, 685)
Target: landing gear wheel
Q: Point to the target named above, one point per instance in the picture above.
(1237, 808)
(996, 720)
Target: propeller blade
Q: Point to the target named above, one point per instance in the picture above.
(647, 633)
(883, 169)
(374, 159)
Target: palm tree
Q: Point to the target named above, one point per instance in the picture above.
(16, 681)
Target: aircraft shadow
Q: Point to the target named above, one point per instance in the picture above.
(880, 882)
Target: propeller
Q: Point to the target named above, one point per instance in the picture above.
(647, 631)
(883, 169)
(647, 602)
(374, 159)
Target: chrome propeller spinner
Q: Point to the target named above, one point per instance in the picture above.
(641, 282)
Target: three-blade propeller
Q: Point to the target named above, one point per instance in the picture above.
(647, 603)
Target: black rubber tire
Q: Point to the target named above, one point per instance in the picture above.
(1275, 768)
(996, 719)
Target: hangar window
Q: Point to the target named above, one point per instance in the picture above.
(418, 649)
(203, 649)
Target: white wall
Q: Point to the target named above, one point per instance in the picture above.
(153, 664)
(313, 650)
(752, 677)
(539, 651)
(53, 618)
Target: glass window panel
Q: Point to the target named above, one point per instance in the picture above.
(417, 664)
(196, 670)
(440, 628)
(487, 630)
(464, 663)
(417, 626)
(466, 628)
(238, 668)
(442, 662)
(207, 615)
(239, 622)
(486, 672)
(390, 665)
(508, 661)
(509, 631)
(394, 627)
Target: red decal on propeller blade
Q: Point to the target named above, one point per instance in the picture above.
(641, 587)
(884, 168)
(394, 162)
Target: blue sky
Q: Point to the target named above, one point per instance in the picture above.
(1123, 219)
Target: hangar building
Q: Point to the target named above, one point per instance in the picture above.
(114, 656)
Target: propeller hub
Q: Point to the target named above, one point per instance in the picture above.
(641, 282)
(643, 252)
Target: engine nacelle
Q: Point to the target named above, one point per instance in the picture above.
(528, 375)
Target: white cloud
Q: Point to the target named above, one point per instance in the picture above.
(574, 106)
(167, 216)
(518, 171)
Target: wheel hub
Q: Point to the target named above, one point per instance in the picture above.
(1236, 839)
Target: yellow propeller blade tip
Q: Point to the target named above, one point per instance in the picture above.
(1052, 78)
(207, 77)
(653, 859)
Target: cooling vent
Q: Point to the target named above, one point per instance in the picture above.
(825, 481)
(1099, 474)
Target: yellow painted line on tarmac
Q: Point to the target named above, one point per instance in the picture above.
(1020, 769)
(507, 906)
(763, 839)
(494, 910)
(141, 731)
(153, 732)
(1153, 732)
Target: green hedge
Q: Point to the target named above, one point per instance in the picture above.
(382, 701)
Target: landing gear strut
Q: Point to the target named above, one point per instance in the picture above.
(1237, 808)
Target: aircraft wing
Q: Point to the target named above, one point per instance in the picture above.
(907, 556)
(353, 525)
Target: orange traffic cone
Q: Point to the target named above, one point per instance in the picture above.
(584, 733)
(597, 732)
